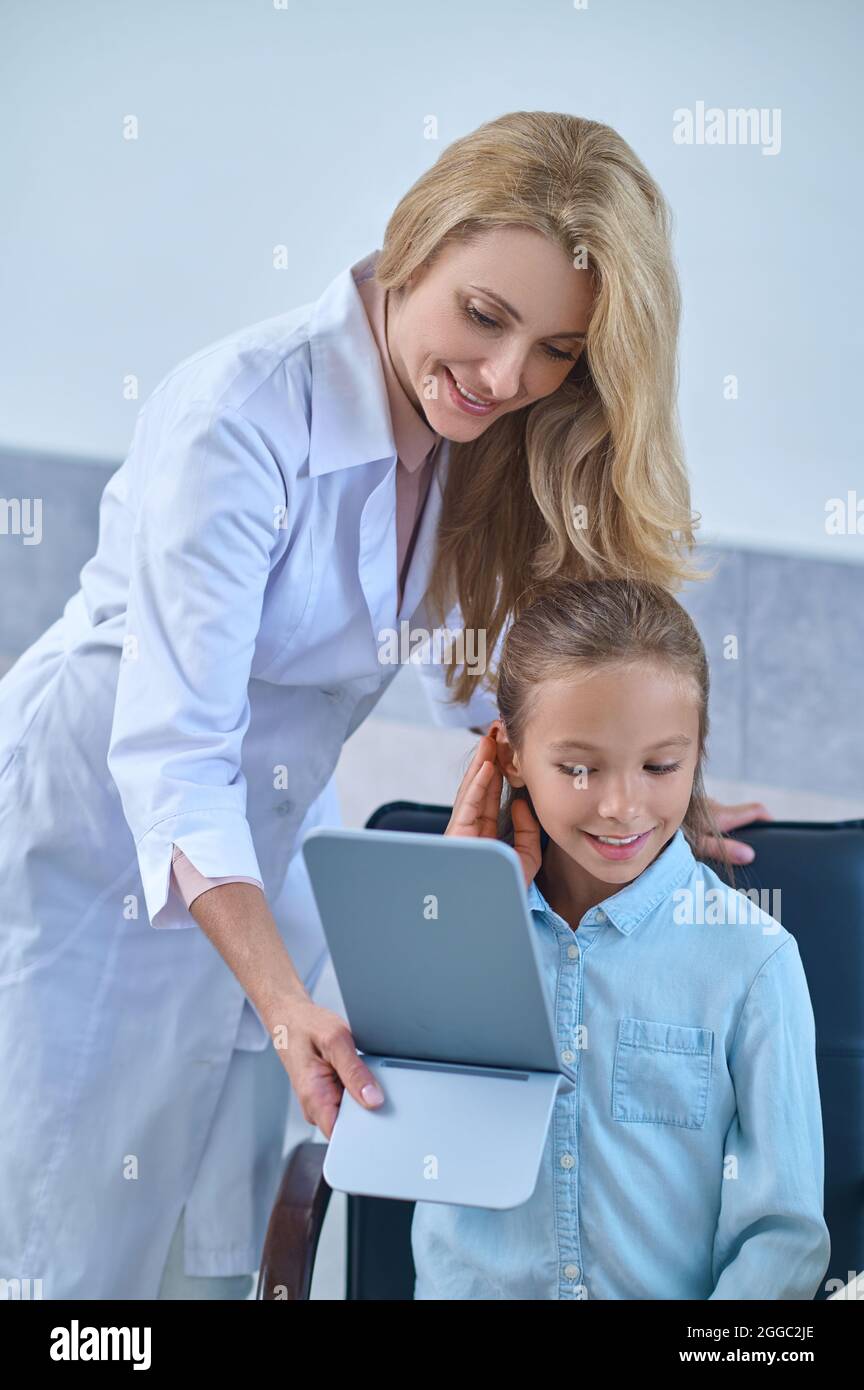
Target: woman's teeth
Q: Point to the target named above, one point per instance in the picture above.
(469, 395)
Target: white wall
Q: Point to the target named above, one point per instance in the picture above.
(303, 125)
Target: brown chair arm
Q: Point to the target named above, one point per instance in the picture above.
(294, 1229)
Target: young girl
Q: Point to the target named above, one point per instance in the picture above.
(688, 1161)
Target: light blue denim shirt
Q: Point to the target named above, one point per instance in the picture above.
(688, 1161)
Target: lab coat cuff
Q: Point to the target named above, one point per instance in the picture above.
(217, 841)
(191, 884)
(478, 712)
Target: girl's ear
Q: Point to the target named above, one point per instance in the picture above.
(507, 757)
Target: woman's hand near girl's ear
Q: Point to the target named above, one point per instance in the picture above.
(475, 810)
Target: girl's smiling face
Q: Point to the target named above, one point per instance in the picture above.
(504, 315)
(612, 753)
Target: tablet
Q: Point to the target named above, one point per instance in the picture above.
(437, 961)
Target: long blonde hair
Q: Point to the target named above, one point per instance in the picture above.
(566, 627)
(608, 438)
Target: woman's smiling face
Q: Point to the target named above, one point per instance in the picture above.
(450, 325)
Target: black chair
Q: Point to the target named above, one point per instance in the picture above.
(819, 869)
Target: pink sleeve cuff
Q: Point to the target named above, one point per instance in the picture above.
(191, 884)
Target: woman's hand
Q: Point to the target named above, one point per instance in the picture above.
(475, 810)
(728, 818)
(315, 1046)
(317, 1050)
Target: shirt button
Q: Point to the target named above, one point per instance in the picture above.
(571, 1271)
(567, 1160)
(601, 915)
(573, 952)
(284, 808)
(567, 1055)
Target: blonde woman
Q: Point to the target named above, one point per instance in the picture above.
(487, 401)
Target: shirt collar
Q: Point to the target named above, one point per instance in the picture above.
(627, 908)
(350, 408)
(414, 438)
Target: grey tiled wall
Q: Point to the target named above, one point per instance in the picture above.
(789, 709)
(785, 711)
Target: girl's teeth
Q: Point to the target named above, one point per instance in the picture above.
(607, 840)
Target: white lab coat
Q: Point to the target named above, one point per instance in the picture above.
(197, 691)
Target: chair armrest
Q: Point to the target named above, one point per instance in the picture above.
(294, 1229)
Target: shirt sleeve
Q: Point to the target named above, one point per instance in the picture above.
(771, 1240)
(482, 707)
(206, 527)
(191, 884)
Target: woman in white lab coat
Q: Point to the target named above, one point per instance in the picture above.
(188, 708)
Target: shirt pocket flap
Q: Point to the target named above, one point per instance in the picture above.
(669, 1037)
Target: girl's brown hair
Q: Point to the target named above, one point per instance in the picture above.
(588, 481)
(566, 626)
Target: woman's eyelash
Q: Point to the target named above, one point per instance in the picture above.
(485, 322)
(658, 769)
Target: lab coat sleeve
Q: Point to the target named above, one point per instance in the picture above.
(205, 530)
(482, 707)
(191, 884)
(771, 1240)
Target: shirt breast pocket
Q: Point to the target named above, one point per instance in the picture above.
(662, 1073)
